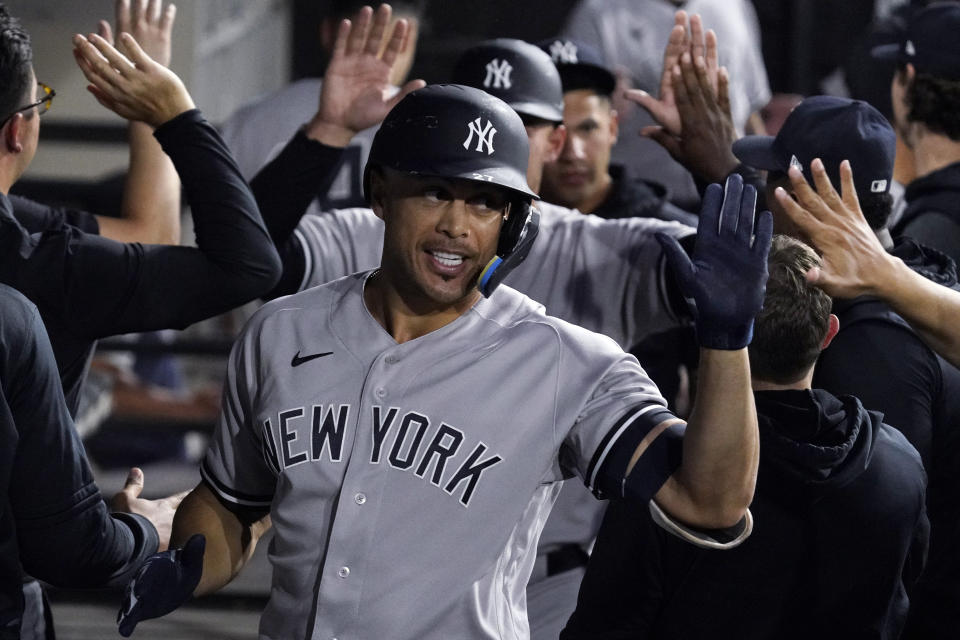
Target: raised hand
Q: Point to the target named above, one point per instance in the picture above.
(356, 92)
(133, 86)
(159, 512)
(727, 276)
(683, 40)
(704, 143)
(834, 224)
(162, 583)
(150, 24)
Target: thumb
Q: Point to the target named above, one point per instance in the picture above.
(656, 108)
(192, 552)
(413, 85)
(133, 487)
(662, 137)
(679, 262)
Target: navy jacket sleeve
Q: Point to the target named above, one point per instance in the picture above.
(284, 188)
(65, 533)
(97, 287)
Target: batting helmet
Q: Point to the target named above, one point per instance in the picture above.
(518, 73)
(451, 131)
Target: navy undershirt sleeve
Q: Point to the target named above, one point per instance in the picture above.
(284, 188)
(65, 533)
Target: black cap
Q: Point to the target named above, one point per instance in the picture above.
(518, 73)
(832, 129)
(931, 42)
(453, 131)
(580, 66)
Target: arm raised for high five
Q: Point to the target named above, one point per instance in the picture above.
(855, 263)
(150, 210)
(356, 92)
(356, 95)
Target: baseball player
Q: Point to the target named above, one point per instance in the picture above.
(605, 275)
(407, 428)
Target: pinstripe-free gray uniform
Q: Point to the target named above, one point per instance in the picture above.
(407, 483)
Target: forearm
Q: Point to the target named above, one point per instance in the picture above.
(286, 186)
(151, 197)
(721, 446)
(229, 542)
(931, 309)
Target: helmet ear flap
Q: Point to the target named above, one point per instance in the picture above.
(517, 234)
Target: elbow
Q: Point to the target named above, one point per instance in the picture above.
(721, 510)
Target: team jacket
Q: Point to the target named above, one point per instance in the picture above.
(932, 215)
(53, 522)
(840, 538)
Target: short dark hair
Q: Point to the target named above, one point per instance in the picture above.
(16, 61)
(790, 328)
(933, 102)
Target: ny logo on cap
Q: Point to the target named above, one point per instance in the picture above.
(484, 136)
(878, 186)
(795, 163)
(909, 49)
(563, 52)
(498, 74)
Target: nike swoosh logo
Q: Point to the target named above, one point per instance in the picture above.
(297, 360)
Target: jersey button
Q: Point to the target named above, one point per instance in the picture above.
(392, 359)
(360, 498)
(343, 572)
(381, 393)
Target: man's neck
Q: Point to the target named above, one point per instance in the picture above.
(405, 319)
(933, 151)
(806, 382)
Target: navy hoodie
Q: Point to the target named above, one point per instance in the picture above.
(839, 537)
(932, 215)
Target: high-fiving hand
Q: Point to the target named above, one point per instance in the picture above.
(727, 276)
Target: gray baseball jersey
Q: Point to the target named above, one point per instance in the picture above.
(605, 275)
(407, 483)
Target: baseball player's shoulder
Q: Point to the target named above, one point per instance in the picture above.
(516, 313)
(304, 306)
(555, 218)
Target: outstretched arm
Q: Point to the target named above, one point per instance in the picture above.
(855, 263)
(356, 95)
(727, 277)
(151, 198)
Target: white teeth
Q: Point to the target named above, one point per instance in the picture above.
(447, 259)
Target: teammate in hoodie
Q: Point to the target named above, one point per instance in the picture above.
(841, 496)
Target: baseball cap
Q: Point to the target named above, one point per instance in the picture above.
(931, 42)
(518, 73)
(832, 129)
(580, 66)
(453, 131)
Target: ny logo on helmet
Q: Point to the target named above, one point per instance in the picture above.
(498, 74)
(563, 52)
(484, 136)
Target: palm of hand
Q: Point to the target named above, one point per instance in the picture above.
(358, 94)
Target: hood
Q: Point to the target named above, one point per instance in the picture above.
(812, 442)
(928, 262)
(936, 191)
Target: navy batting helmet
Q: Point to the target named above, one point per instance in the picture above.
(452, 131)
(518, 73)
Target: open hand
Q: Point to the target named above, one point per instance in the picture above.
(159, 512)
(133, 86)
(356, 92)
(148, 22)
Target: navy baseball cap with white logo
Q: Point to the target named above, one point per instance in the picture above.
(832, 129)
(580, 66)
(931, 42)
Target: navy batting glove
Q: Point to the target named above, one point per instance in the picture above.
(727, 277)
(162, 583)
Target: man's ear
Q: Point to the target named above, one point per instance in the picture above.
(558, 137)
(833, 326)
(614, 125)
(13, 133)
(378, 191)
